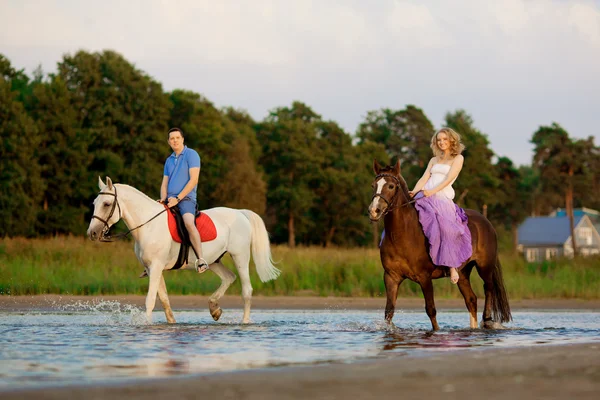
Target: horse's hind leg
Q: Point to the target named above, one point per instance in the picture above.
(485, 272)
(392, 283)
(164, 299)
(242, 262)
(464, 285)
(227, 278)
(427, 288)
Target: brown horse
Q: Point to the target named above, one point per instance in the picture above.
(404, 253)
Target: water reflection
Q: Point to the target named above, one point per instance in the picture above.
(109, 343)
(441, 340)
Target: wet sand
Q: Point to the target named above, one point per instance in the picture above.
(544, 372)
(49, 302)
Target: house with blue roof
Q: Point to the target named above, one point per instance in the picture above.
(593, 214)
(545, 238)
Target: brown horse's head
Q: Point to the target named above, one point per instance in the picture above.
(389, 190)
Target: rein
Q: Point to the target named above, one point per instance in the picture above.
(115, 204)
(391, 204)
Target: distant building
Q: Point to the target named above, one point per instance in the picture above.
(545, 238)
(593, 214)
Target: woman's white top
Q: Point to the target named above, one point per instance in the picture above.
(439, 172)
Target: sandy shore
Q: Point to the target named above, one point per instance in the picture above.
(544, 372)
(49, 302)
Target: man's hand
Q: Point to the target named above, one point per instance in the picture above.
(172, 202)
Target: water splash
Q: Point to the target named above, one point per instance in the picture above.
(112, 311)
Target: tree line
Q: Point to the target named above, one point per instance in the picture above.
(310, 180)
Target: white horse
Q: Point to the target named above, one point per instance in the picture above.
(238, 231)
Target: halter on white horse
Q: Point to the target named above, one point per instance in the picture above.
(239, 232)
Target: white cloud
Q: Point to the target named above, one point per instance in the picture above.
(413, 26)
(585, 18)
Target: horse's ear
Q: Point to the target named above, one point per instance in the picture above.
(396, 169)
(109, 183)
(101, 184)
(376, 167)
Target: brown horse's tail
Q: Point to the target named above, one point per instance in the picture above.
(500, 306)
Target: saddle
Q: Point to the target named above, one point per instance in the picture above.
(204, 224)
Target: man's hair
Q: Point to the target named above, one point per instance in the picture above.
(174, 130)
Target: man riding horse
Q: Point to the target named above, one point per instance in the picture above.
(179, 186)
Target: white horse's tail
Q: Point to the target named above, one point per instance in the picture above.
(261, 248)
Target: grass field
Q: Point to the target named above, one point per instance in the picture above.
(77, 266)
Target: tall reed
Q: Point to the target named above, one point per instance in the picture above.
(75, 265)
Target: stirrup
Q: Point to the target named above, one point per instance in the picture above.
(201, 265)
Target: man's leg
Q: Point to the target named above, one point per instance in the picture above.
(188, 219)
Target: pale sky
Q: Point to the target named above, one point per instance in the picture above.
(513, 65)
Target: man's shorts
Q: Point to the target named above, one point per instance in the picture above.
(187, 206)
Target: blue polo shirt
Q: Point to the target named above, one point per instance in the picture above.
(177, 169)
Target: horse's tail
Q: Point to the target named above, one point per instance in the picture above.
(500, 306)
(261, 248)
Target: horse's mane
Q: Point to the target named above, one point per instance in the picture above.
(134, 189)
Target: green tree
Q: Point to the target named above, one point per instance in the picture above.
(20, 181)
(64, 159)
(246, 127)
(291, 158)
(564, 166)
(242, 186)
(509, 209)
(122, 112)
(338, 206)
(18, 80)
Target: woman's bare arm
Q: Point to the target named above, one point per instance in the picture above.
(421, 183)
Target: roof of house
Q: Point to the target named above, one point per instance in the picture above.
(561, 212)
(546, 230)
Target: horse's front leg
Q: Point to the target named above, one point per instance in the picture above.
(392, 283)
(427, 288)
(155, 275)
(164, 299)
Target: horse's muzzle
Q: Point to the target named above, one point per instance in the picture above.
(375, 214)
(96, 234)
(93, 235)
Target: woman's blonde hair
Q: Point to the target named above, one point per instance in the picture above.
(456, 147)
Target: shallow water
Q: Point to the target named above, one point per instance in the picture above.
(109, 342)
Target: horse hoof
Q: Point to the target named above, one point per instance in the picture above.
(216, 314)
(491, 325)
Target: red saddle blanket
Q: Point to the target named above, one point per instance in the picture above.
(206, 227)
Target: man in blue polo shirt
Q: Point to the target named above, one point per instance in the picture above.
(179, 185)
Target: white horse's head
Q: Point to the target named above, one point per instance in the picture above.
(107, 210)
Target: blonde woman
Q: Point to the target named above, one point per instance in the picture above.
(444, 223)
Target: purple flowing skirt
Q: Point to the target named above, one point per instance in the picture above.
(445, 226)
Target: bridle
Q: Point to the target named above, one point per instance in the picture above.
(103, 237)
(392, 203)
(107, 238)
